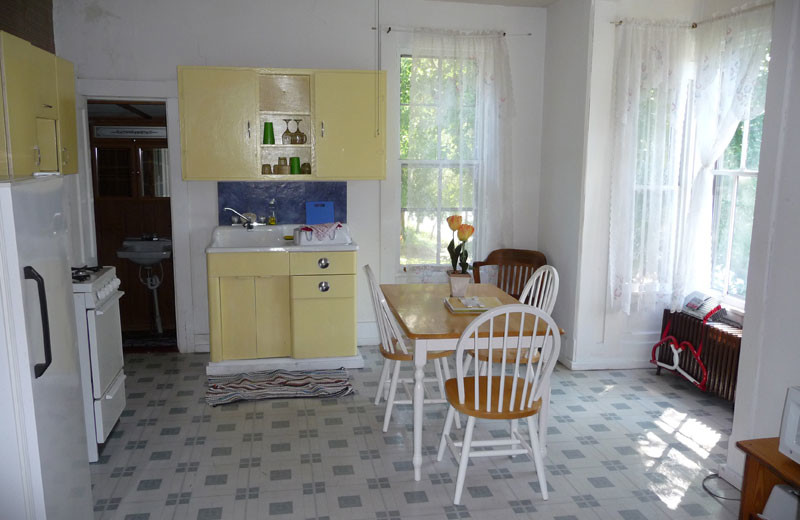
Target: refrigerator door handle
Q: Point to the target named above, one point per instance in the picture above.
(31, 274)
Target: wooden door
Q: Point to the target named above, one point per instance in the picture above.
(350, 113)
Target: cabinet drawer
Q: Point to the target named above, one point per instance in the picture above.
(337, 286)
(247, 264)
(325, 262)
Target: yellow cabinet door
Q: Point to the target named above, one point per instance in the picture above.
(350, 114)
(323, 316)
(67, 121)
(219, 123)
(20, 97)
(238, 317)
(273, 317)
(43, 65)
(5, 173)
(47, 145)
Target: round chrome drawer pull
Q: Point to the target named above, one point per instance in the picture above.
(324, 286)
(323, 263)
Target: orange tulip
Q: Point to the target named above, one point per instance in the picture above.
(465, 231)
(454, 221)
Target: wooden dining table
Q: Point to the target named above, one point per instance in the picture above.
(420, 311)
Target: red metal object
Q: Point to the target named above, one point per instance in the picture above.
(677, 348)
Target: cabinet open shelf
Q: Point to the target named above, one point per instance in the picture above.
(286, 145)
(288, 177)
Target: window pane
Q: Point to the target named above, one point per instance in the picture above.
(405, 79)
(723, 191)
(742, 231)
(404, 115)
(417, 237)
(422, 133)
(154, 180)
(424, 81)
(754, 143)
(458, 133)
(457, 189)
(731, 159)
(419, 187)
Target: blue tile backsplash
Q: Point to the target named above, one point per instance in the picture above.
(290, 199)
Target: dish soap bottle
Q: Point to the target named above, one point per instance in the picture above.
(272, 218)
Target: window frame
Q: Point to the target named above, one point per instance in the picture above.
(728, 299)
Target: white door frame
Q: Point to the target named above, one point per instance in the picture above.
(166, 91)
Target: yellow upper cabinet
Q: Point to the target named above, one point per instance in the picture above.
(340, 114)
(67, 123)
(39, 100)
(350, 113)
(19, 78)
(219, 123)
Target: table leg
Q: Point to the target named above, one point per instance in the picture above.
(420, 356)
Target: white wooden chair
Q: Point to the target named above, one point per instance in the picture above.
(394, 351)
(540, 292)
(509, 390)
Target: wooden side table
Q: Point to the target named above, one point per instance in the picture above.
(764, 467)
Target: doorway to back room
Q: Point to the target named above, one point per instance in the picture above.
(130, 176)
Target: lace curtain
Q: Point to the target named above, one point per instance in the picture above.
(650, 93)
(660, 206)
(730, 53)
(472, 83)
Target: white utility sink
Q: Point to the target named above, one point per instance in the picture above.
(233, 239)
(145, 251)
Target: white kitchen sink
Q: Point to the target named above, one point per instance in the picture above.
(232, 239)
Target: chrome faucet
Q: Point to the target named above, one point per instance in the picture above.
(247, 222)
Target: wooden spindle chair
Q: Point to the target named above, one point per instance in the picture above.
(509, 390)
(514, 268)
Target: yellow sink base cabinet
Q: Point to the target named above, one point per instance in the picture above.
(282, 304)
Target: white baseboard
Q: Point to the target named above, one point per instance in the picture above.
(606, 364)
(367, 333)
(239, 366)
(731, 476)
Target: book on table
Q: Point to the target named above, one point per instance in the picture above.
(471, 304)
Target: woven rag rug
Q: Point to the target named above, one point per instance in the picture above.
(278, 384)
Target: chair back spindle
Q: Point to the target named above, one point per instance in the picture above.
(541, 290)
(391, 337)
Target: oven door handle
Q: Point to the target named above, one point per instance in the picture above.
(108, 303)
(31, 274)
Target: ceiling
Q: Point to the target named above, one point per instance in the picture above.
(518, 3)
(123, 110)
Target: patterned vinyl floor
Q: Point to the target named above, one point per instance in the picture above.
(624, 445)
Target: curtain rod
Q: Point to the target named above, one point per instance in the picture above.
(389, 29)
(694, 25)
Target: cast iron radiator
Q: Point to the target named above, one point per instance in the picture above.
(720, 352)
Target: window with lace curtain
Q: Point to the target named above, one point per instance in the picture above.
(437, 155)
(734, 197)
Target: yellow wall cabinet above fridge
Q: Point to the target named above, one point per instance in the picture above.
(341, 115)
(38, 111)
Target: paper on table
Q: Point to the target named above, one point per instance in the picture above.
(471, 305)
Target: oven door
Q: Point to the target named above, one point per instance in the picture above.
(105, 343)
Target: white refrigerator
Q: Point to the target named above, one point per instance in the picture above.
(43, 470)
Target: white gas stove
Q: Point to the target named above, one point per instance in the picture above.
(96, 296)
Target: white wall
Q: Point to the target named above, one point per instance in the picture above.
(563, 143)
(140, 45)
(770, 359)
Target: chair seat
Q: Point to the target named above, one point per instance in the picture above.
(511, 356)
(468, 408)
(398, 355)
